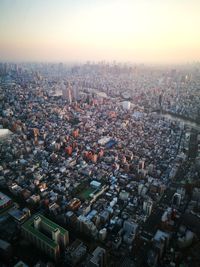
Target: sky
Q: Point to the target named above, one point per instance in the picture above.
(138, 31)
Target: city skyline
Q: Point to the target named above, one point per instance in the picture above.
(135, 31)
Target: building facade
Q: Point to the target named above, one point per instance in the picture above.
(46, 235)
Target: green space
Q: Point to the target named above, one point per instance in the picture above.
(85, 194)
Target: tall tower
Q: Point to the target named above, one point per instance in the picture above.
(67, 92)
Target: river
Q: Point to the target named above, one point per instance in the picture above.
(186, 122)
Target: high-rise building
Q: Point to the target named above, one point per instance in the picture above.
(147, 207)
(176, 199)
(75, 92)
(141, 165)
(130, 229)
(46, 235)
(98, 258)
(75, 253)
(102, 234)
(67, 92)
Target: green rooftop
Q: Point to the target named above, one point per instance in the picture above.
(29, 226)
(52, 224)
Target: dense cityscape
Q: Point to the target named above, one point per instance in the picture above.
(100, 164)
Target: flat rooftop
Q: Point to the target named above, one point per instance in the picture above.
(3, 199)
(29, 226)
(4, 133)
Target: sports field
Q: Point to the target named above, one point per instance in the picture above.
(85, 194)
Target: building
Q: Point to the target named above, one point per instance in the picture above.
(130, 229)
(141, 165)
(102, 234)
(5, 201)
(161, 241)
(176, 199)
(130, 226)
(86, 226)
(123, 195)
(196, 194)
(95, 184)
(74, 204)
(126, 105)
(20, 264)
(98, 258)
(76, 252)
(67, 93)
(147, 207)
(71, 218)
(46, 235)
(5, 251)
(18, 215)
(4, 134)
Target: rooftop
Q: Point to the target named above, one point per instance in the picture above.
(29, 226)
(3, 199)
(20, 264)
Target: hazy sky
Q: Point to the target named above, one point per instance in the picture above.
(152, 31)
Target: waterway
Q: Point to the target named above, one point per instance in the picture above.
(184, 121)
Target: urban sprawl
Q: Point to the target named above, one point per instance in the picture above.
(100, 165)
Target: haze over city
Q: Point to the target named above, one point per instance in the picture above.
(99, 133)
(136, 31)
